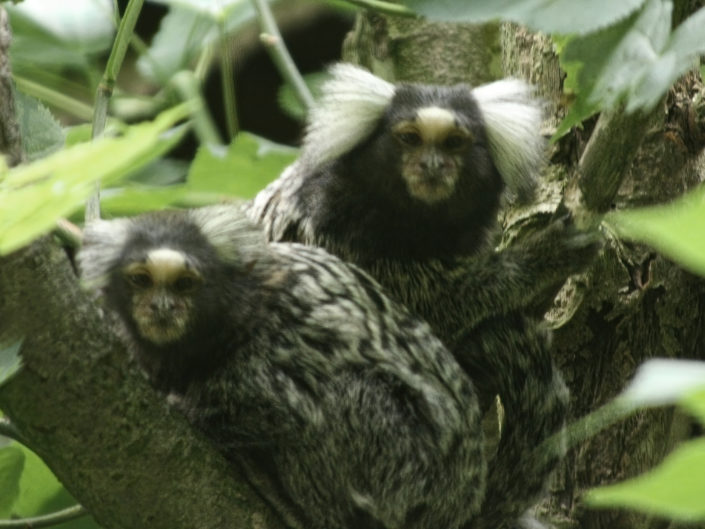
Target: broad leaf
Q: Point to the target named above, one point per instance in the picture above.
(663, 381)
(675, 229)
(34, 196)
(11, 465)
(674, 489)
(41, 133)
(679, 55)
(50, 35)
(238, 171)
(213, 9)
(695, 403)
(10, 360)
(181, 36)
(187, 29)
(557, 16)
(635, 61)
(241, 169)
(134, 199)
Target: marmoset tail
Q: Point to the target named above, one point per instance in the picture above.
(406, 180)
(297, 366)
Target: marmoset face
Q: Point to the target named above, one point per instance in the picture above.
(161, 294)
(433, 144)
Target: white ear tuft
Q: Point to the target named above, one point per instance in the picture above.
(236, 238)
(512, 118)
(103, 243)
(351, 105)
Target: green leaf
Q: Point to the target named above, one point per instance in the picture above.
(604, 67)
(204, 6)
(78, 134)
(636, 60)
(217, 174)
(41, 493)
(88, 26)
(34, 196)
(557, 16)
(694, 402)
(163, 172)
(10, 360)
(674, 489)
(186, 30)
(679, 55)
(662, 381)
(47, 35)
(41, 133)
(127, 201)
(675, 229)
(12, 461)
(38, 486)
(241, 169)
(181, 36)
(291, 104)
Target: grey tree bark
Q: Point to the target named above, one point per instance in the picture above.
(633, 304)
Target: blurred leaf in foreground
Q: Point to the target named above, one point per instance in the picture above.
(676, 229)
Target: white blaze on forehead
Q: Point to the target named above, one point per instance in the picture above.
(435, 123)
(165, 265)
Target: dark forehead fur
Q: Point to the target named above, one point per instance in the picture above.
(167, 229)
(409, 98)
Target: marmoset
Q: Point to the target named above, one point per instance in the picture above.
(297, 365)
(406, 181)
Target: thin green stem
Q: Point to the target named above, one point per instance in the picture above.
(187, 86)
(204, 62)
(280, 56)
(112, 68)
(106, 85)
(47, 520)
(228, 84)
(69, 234)
(54, 98)
(384, 7)
(586, 427)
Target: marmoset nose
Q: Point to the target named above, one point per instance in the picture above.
(433, 162)
(162, 304)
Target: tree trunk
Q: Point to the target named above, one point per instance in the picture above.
(633, 304)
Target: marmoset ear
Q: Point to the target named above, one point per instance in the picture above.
(512, 117)
(103, 243)
(351, 104)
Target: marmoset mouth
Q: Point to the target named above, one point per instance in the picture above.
(431, 188)
(162, 321)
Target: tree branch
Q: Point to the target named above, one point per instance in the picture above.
(610, 152)
(274, 44)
